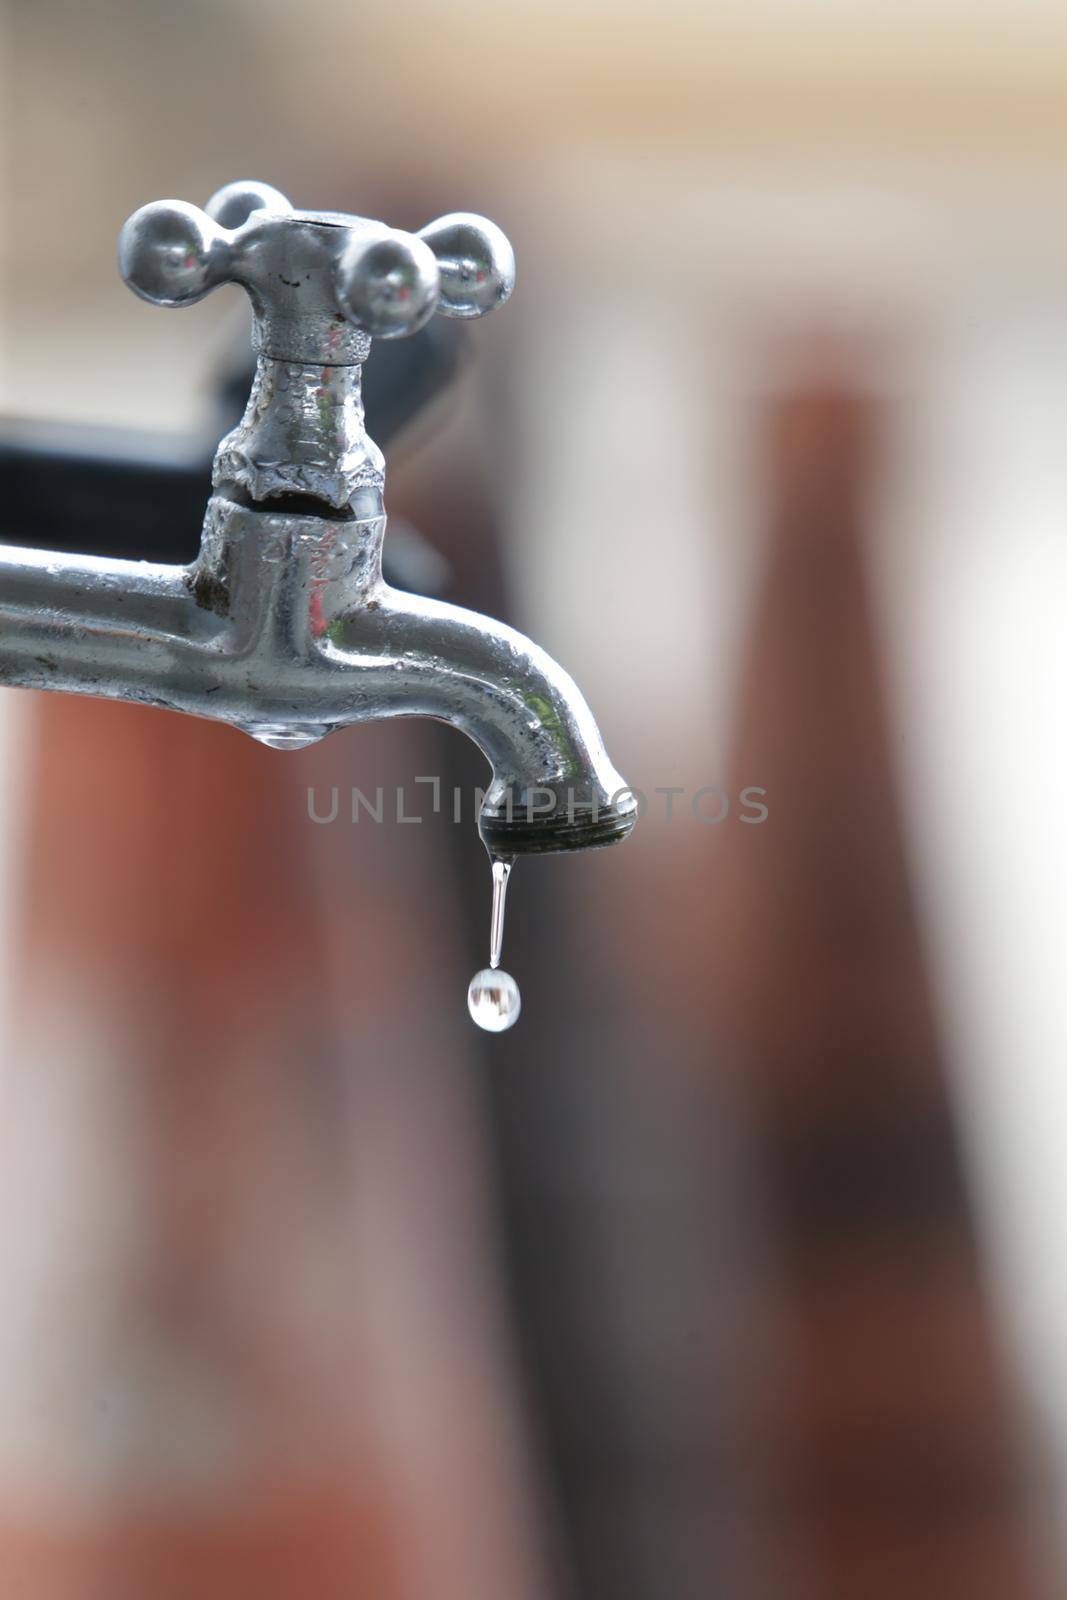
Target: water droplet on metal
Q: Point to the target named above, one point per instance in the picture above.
(291, 736)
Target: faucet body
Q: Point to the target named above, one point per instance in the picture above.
(284, 626)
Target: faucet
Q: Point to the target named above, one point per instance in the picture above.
(284, 626)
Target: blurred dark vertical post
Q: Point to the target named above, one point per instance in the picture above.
(885, 1406)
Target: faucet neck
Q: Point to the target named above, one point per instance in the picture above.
(302, 434)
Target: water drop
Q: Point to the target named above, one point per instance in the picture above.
(291, 736)
(493, 1000)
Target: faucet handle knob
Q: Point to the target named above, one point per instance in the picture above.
(233, 204)
(172, 253)
(475, 261)
(320, 283)
(387, 282)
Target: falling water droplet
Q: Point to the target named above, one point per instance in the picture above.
(493, 998)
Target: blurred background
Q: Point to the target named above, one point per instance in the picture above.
(738, 1267)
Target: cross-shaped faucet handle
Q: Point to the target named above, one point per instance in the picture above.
(321, 283)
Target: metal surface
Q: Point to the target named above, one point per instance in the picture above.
(284, 626)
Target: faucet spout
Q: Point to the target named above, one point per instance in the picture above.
(553, 785)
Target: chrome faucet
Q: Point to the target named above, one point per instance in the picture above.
(284, 626)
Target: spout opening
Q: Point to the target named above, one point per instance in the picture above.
(566, 828)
